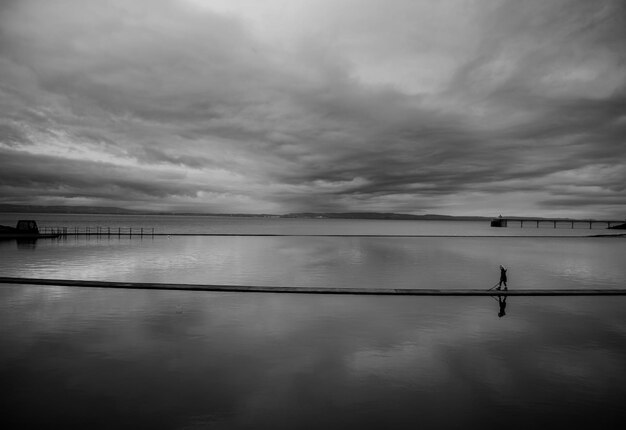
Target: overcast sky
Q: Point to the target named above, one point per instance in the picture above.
(474, 107)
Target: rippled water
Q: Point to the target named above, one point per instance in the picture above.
(96, 358)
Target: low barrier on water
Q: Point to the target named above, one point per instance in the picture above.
(312, 290)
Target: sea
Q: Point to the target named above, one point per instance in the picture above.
(74, 357)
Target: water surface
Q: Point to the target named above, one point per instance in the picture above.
(363, 262)
(153, 359)
(178, 224)
(102, 358)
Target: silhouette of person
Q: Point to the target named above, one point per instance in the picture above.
(503, 278)
(502, 303)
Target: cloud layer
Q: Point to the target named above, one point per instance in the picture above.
(457, 107)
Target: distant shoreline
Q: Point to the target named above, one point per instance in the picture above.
(391, 216)
(86, 210)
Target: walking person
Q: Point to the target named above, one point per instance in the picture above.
(503, 278)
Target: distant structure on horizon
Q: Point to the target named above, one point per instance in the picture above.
(504, 222)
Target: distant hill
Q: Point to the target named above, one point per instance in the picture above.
(332, 215)
(382, 215)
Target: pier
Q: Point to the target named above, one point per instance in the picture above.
(313, 290)
(98, 231)
(554, 222)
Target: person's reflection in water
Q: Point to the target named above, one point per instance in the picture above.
(502, 303)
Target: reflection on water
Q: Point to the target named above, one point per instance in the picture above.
(96, 358)
(367, 262)
(162, 359)
(502, 306)
(21, 243)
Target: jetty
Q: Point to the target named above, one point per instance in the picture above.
(554, 222)
(28, 229)
(98, 231)
(313, 290)
(25, 229)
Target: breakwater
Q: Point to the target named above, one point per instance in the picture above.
(313, 290)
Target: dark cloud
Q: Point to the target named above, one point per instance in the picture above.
(43, 176)
(11, 135)
(459, 107)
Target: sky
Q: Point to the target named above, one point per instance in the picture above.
(457, 107)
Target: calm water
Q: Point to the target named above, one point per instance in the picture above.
(230, 225)
(93, 358)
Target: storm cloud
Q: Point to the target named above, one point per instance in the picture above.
(454, 107)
